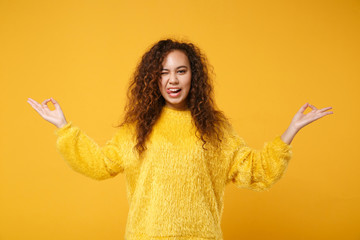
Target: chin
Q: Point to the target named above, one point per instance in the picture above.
(176, 102)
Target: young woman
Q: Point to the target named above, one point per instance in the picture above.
(176, 149)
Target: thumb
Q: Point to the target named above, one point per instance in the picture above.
(56, 104)
(303, 107)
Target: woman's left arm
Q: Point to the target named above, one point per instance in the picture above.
(300, 120)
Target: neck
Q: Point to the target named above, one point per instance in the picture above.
(183, 108)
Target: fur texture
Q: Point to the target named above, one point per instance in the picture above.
(175, 190)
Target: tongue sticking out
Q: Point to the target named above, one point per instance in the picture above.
(178, 90)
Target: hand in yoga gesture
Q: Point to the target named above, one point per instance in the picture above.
(300, 120)
(55, 117)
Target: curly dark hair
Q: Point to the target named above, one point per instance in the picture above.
(145, 101)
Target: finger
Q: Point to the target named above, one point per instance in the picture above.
(324, 114)
(325, 109)
(56, 104)
(36, 107)
(33, 101)
(44, 103)
(312, 107)
(327, 113)
(303, 107)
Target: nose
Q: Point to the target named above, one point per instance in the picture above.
(173, 79)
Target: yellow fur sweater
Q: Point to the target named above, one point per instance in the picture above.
(176, 190)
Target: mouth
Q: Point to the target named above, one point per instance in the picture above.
(173, 90)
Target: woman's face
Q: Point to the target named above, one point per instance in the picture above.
(175, 79)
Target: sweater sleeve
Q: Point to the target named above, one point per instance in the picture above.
(85, 156)
(258, 169)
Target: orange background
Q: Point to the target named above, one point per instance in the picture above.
(270, 57)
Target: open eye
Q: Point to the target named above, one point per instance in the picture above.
(181, 71)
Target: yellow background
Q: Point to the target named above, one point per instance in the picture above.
(269, 57)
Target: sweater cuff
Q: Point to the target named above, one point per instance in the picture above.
(282, 145)
(60, 131)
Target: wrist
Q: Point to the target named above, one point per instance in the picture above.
(293, 129)
(62, 124)
(289, 134)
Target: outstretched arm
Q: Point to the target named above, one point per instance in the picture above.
(80, 151)
(300, 120)
(85, 156)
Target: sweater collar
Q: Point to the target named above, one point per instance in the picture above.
(173, 122)
(176, 112)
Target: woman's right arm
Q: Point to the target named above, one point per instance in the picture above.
(81, 152)
(85, 156)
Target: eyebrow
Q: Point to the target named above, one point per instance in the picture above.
(177, 67)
